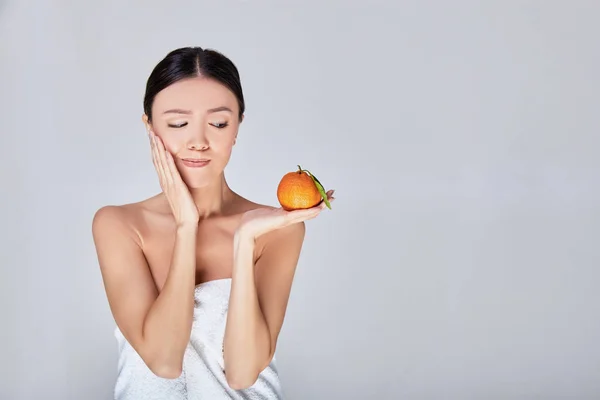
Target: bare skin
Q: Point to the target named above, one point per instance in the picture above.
(153, 253)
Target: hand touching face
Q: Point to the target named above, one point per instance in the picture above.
(197, 120)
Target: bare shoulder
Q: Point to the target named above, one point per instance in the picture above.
(119, 245)
(115, 219)
(126, 219)
(290, 236)
(109, 218)
(128, 281)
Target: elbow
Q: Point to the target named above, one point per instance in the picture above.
(166, 370)
(164, 362)
(241, 382)
(243, 375)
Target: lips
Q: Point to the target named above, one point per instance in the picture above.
(195, 162)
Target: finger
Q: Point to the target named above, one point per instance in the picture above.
(173, 171)
(162, 160)
(303, 215)
(154, 152)
(151, 141)
(303, 212)
(159, 167)
(322, 204)
(170, 163)
(312, 216)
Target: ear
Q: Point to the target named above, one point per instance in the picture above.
(241, 120)
(146, 122)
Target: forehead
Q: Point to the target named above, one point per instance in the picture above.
(196, 94)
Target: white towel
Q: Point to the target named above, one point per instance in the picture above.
(203, 376)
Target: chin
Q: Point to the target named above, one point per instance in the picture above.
(198, 183)
(198, 178)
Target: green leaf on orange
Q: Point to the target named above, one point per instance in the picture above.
(319, 187)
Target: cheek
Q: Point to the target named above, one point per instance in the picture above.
(173, 145)
(224, 142)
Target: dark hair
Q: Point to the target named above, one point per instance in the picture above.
(190, 62)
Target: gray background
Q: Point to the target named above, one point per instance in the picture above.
(462, 141)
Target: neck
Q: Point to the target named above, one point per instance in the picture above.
(212, 198)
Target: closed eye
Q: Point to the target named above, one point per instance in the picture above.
(219, 125)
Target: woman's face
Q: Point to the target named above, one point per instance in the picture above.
(197, 119)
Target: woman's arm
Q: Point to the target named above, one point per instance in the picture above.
(158, 326)
(258, 301)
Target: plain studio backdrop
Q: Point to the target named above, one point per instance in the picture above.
(459, 259)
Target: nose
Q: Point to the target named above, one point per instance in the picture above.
(198, 141)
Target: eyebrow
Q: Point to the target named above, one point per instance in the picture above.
(177, 111)
(187, 112)
(217, 109)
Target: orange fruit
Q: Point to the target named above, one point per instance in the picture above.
(298, 190)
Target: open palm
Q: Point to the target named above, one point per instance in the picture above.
(262, 220)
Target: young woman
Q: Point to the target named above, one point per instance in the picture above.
(197, 277)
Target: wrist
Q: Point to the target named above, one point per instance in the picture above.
(243, 235)
(187, 227)
(243, 240)
(244, 245)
